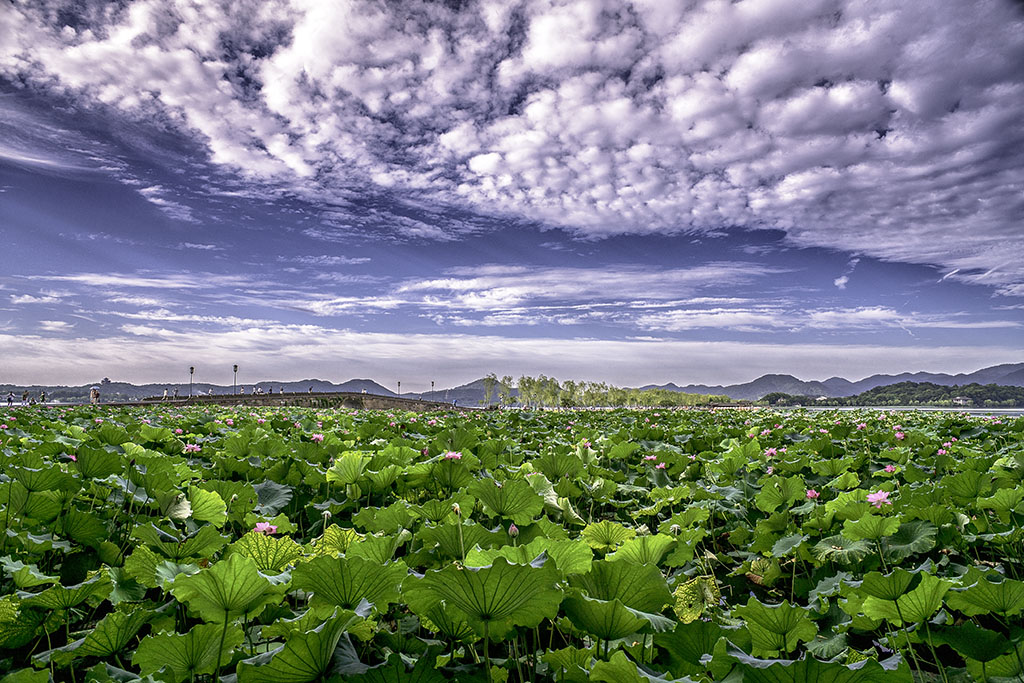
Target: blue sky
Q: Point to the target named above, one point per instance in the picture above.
(628, 192)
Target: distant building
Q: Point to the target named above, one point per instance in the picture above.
(962, 401)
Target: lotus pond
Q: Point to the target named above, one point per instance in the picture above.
(296, 545)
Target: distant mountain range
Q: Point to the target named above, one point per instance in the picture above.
(1009, 374)
(472, 394)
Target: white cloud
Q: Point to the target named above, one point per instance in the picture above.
(55, 325)
(30, 299)
(145, 281)
(841, 281)
(201, 247)
(152, 353)
(323, 260)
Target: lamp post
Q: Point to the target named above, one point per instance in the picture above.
(399, 389)
(431, 389)
(191, 372)
(234, 382)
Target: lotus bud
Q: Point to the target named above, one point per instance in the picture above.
(513, 530)
(456, 509)
(674, 529)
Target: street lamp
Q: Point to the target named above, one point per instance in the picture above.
(234, 382)
(399, 389)
(431, 389)
(191, 372)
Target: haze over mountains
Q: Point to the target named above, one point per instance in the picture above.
(472, 393)
(1009, 374)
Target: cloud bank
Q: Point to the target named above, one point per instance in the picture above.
(892, 131)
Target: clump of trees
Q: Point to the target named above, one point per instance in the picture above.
(548, 392)
(914, 394)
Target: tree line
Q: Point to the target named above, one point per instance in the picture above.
(914, 394)
(549, 392)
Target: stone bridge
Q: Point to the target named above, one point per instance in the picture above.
(341, 399)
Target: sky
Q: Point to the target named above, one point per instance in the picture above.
(631, 192)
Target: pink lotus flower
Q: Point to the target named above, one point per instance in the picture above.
(862, 426)
(942, 451)
(650, 457)
(513, 530)
(900, 436)
(823, 431)
(298, 425)
(879, 498)
(891, 468)
(193, 448)
(318, 438)
(265, 528)
(660, 466)
(452, 455)
(585, 444)
(179, 430)
(692, 456)
(812, 494)
(3, 426)
(98, 420)
(765, 432)
(769, 452)
(946, 444)
(431, 422)
(391, 424)
(73, 457)
(770, 470)
(229, 422)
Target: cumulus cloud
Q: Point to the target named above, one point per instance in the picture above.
(884, 131)
(55, 325)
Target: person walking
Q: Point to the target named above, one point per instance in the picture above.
(42, 397)
(24, 398)
(10, 399)
(165, 393)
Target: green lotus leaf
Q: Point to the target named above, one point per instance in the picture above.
(345, 581)
(347, 468)
(555, 466)
(1004, 669)
(915, 606)
(622, 450)
(304, 657)
(448, 622)
(335, 540)
(639, 587)
(114, 632)
(785, 545)
(605, 619)
(380, 549)
(25, 575)
(182, 657)
(97, 463)
(889, 586)
(618, 669)
(271, 497)
(777, 492)
(207, 506)
(570, 663)
(687, 644)
(917, 536)
(973, 641)
(643, 549)
(870, 527)
(809, 669)
(28, 676)
(17, 626)
(570, 557)
(511, 499)
(776, 629)
(984, 595)
(230, 588)
(202, 543)
(65, 597)
(398, 515)
(49, 478)
(394, 670)
(494, 599)
(605, 536)
(1003, 502)
(141, 566)
(841, 549)
(270, 553)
